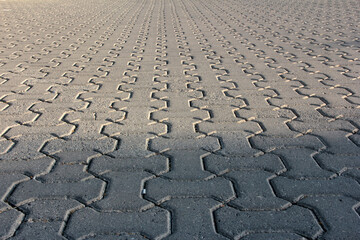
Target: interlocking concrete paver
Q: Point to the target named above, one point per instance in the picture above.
(179, 119)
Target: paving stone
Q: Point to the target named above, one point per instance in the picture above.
(124, 191)
(31, 167)
(220, 164)
(194, 220)
(273, 236)
(10, 221)
(49, 210)
(254, 192)
(337, 162)
(8, 182)
(151, 223)
(268, 143)
(160, 189)
(294, 219)
(157, 164)
(208, 143)
(179, 119)
(333, 217)
(88, 191)
(186, 165)
(294, 189)
(39, 230)
(301, 164)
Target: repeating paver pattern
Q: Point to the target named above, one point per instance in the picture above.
(179, 119)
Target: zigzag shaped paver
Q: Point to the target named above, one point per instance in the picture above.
(179, 119)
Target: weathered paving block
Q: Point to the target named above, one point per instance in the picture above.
(28, 148)
(269, 143)
(10, 221)
(238, 127)
(338, 143)
(235, 223)
(166, 114)
(124, 130)
(65, 173)
(292, 189)
(157, 164)
(87, 191)
(273, 236)
(118, 236)
(186, 165)
(103, 145)
(301, 164)
(40, 230)
(236, 144)
(8, 182)
(199, 212)
(337, 162)
(254, 192)
(152, 223)
(49, 209)
(45, 218)
(161, 190)
(352, 173)
(208, 143)
(124, 192)
(31, 167)
(332, 211)
(220, 164)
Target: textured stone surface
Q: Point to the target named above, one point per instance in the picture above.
(179, 119)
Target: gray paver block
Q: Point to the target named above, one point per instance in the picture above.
(160, 189)
(235, 125)
(88, 191)
(292, 189)
(254, 191)
(294, 219)
(124, 191)
(273, 236)
(40, 230)
(49, 209)
(339, 162)
(153, 223)
(220, 164)
(301, 164)
(186, 165)
(192, 218)
(10, 221)
(156, 164)
(335, 212)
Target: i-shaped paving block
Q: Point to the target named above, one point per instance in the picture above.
(192, 218)
(336, 212)
(186, 165)
(88, 191)
(293, 190)
(155, 164)
(9, 222)
(45, 218)
(234, 223)
(300, 164)
(221, 164)
(273, 236)
(152, 223)
(338, 162)
(254, 191)
(161, 189)
(124, 191)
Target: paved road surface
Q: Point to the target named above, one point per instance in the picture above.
(179, 119)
